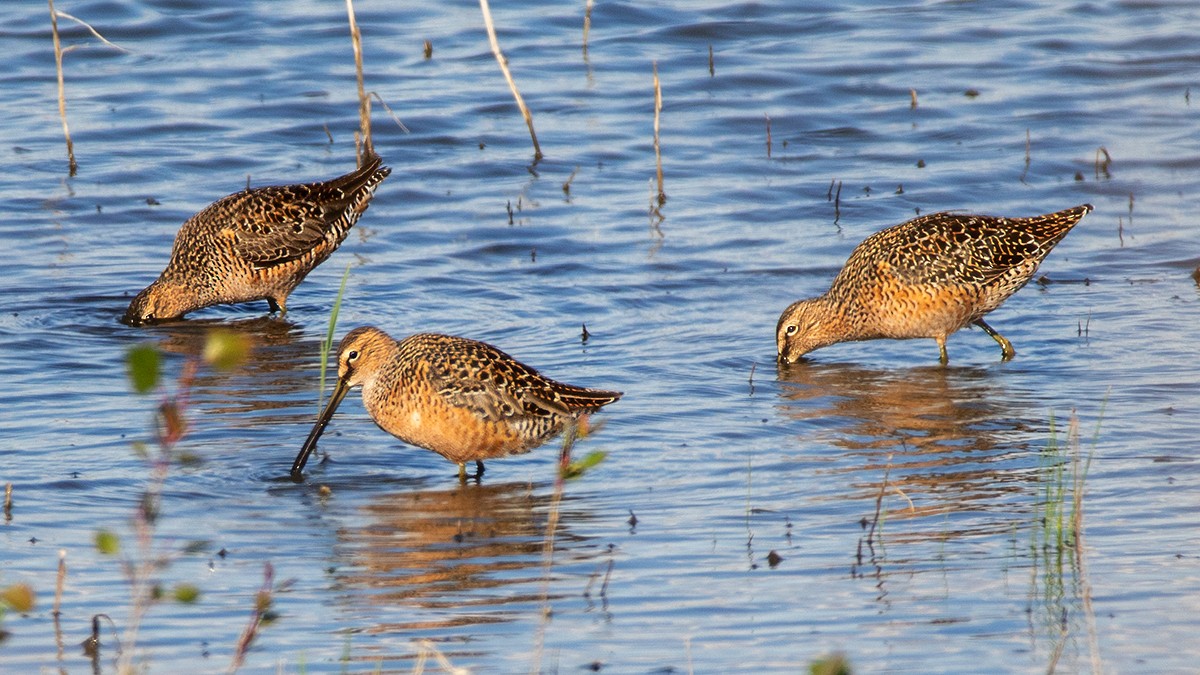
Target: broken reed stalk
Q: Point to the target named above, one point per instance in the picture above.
(8, 502)
(662, 196)
(59, 582)
(364, 101)
(491, 31)
(587, 24)
(57, 611)
(72, 165)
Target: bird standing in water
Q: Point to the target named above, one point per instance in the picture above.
(465, 400)
(256, 244)
(925, 278)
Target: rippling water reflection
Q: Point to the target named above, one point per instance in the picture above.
(716, 460)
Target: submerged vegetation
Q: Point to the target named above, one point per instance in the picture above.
(1060, 586)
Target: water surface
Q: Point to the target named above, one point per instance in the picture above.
(716, 459)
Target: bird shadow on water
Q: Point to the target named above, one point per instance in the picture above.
(943, 440)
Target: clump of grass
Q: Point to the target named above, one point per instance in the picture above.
(1058, 539)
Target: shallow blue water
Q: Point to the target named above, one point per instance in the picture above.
(721, 457)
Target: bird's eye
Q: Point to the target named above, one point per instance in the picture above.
(352, 355)
(790, 330)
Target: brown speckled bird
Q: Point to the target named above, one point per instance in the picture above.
(465, 400)
(257, 244)
(925, 278)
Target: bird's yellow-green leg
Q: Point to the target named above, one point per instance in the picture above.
(944, 358)
(1006, 348)
(462, 471)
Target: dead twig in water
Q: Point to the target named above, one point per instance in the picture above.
(768, 117)
(59, 582)
(72, 165)
(262, 612)
(662, 196)
(587, 24)
(93, 31)
(1101, 166)
(491, 31)
(388, 108)
(364, 101)
(566, 186)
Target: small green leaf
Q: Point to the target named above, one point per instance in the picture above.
(186, 593)
(262, 601)
(19, 597)
(143, 363)
(225, 349)
(107, 543)
(835, 664)
(578, 467)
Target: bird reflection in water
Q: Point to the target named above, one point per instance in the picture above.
(446, 558)
(274, 380)
(942, 435)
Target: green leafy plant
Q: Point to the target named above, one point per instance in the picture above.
(143, 561)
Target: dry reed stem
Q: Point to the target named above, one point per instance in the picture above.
(262, 602)
(1101, 166)
(587, 24)
(427, 648)
(364, 102)
(93, 31)
(912, 99)
(8, 489)
(72, 165)
(662, 196)
(491, 31)
(388, 108)
(59, 582)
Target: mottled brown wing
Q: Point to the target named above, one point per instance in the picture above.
(273, 225)
(949, 248)
(485, 380)
(268, 226)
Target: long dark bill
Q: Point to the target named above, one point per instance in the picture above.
(339, 393)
